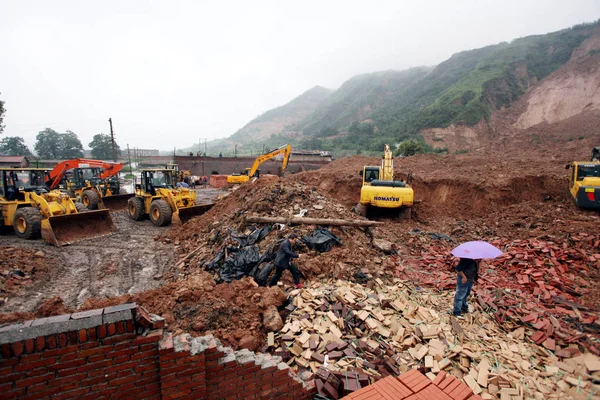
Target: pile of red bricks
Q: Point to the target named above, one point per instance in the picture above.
(122, 352)
(413, 385)
(536, 283)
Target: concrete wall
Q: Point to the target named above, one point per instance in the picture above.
(121, 352)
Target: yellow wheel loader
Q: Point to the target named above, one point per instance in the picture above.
(158, 197)
(33, 211)
(254, 172)
(381, 193)
(584, 181)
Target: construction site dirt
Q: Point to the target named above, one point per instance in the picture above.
(128, 261)
(199, 276)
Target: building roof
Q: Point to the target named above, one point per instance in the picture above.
(12, 159)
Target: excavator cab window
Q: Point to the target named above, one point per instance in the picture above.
(372, 175)
(584, 171)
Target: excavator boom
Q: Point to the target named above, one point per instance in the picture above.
(285, 150)
(58, 172)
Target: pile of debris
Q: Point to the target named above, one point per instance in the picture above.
(345, 335)
(199, 306)
(224, 242)
(539, 283)
(19, 267)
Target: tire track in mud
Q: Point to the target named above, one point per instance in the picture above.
(125, 262)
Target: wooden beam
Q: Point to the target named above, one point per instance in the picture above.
(311, 221)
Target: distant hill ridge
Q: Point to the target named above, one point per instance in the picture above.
(375, 108)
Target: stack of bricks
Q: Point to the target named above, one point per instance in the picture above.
(122, 352)
(413, 385)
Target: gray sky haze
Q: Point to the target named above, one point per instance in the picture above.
(169, 73)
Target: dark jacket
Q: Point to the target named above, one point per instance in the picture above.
(469, 267)
(284, 254)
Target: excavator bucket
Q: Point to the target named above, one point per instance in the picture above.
(117, 202)
(183, 215)
(65, 229)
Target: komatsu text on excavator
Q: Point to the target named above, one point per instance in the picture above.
(380, 190)
(254, 171)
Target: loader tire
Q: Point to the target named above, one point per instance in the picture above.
(81, 208)
(90, 199)
(135, 208)
(72, 194)
(160, 213)
(28, 223)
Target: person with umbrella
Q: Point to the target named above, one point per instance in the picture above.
(470, 254)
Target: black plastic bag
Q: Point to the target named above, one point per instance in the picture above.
(321, 240)
(262, 276)
(240, 263)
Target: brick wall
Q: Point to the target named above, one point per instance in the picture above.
(118, 352)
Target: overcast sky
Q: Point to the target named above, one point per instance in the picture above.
(171, 72)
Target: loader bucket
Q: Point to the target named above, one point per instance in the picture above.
(65, 229)
(183, 215)
(117, 202)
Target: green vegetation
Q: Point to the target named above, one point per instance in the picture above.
(53, 145)
(101, 146)
(464, 89)
(14, 146)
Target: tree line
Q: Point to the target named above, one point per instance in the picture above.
(54, 145)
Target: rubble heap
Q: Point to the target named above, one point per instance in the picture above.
(223, 243)
(346, 335)
(541, 284)
(198, 305)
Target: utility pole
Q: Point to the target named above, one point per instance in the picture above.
(200, 146)
(205, 140)
(112, 139)
(130, 169)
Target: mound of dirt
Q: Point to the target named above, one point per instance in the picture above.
(232, 312)
(212, 238)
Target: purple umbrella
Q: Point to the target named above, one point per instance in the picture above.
(476, 250)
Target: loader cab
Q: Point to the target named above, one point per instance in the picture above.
(15, 182)
(157, 179)
(81, 175)
(370, 174)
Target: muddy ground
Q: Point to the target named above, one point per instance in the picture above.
(126, 262)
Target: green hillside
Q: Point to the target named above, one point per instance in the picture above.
(369, 110)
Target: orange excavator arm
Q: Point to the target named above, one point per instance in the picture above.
(58, 173)
(285, 150)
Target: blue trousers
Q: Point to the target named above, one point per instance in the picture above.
(463, 290)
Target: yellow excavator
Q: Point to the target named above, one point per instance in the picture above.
(254, 171)
(159, 197)
(33, 211)
(380, 191)
(584, 181)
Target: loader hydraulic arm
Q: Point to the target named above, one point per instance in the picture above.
(58, 173)
(285, 150)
